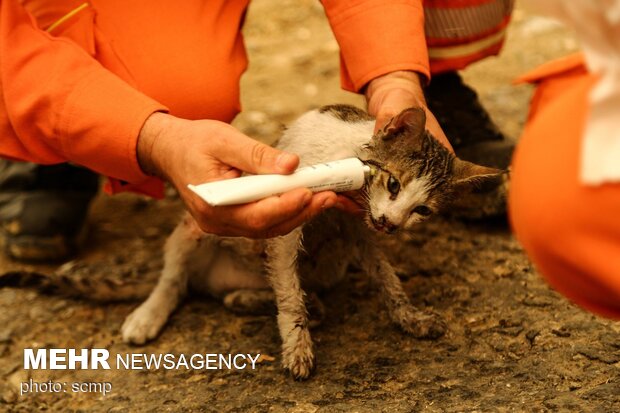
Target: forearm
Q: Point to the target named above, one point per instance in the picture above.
(60, 105)
(377, 37)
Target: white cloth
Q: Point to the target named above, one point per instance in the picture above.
(597, 26)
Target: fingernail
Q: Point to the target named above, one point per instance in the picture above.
(284, 160)
(328, 203)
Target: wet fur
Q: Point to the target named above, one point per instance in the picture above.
(250, 276)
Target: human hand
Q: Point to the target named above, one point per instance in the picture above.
(194, 152)
(390, 94)
(351, 202)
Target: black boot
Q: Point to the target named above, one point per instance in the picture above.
(474, 136)
(43, 209)
(466, 123)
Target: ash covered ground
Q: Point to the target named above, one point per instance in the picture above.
(513, 344)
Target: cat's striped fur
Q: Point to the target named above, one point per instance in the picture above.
(415, 177)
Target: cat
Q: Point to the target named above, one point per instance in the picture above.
(415, 178)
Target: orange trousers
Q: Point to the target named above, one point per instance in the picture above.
(569, 230)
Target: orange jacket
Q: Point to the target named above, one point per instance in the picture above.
(569, 230)
(461, 32)
(82, 91)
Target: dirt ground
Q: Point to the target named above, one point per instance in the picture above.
(513, 344)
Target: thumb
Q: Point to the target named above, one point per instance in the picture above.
(250, 155)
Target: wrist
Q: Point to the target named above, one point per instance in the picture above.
(409, 75)
(404, 79)
(150, 141)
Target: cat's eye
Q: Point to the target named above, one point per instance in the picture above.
(422, 210)
(393, 185)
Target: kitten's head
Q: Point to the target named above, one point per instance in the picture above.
(415, 176)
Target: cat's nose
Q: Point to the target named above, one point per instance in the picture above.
(383, 224)
(378, 222)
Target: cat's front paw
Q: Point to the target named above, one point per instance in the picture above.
(420, 324)
(143, 324)
(297, 354)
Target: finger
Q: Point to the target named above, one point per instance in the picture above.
(320, 202)
(257, 217)
(229, 174)
(218, 220)
(236, 149)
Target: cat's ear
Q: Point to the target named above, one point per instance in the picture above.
(469, 177)
(412, 120)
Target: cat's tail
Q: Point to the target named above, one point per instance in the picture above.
(96, 289)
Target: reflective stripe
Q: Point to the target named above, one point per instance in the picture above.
(453, 52)
(67, 17)
(464, 22)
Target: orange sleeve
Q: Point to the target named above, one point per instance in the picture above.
(58, 104)
(377, 37)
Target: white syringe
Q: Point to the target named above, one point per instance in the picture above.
(338, 176)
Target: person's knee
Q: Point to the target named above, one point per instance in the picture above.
(555, 220)
(539, 206)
